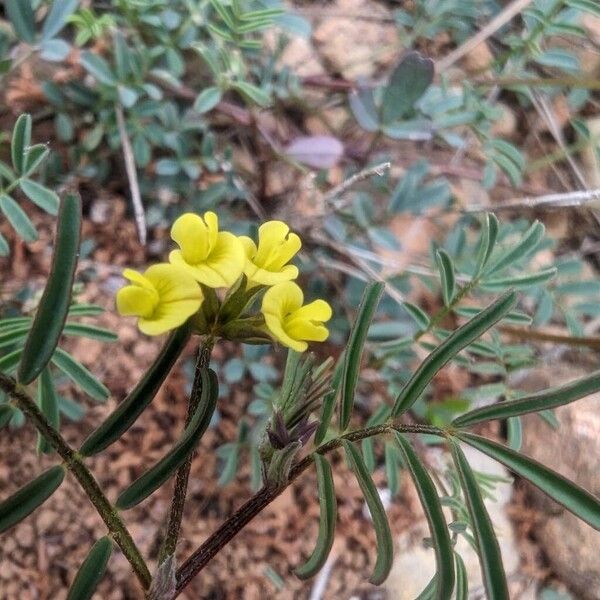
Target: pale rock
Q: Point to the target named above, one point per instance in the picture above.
(570, 545)
(353, 46)
(299, 55)
(589, 155)
(506, 125)
(479, 59)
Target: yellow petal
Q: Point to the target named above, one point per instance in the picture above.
(275, 327)
(318, 310)
(169, 316)
(133, 300)
(221, 268)
(192, 235)
(282, 299)
(173, 283)
(137, 278)
(212, 225)
(249, 246)
(276, 245)
(307, 330)
(263, 277)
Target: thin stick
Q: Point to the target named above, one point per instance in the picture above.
(75, 465)
(338, 190)
(255, 505)
(537, 335)
(183, 473)
(130, 169)
(565, 200)
(501, 19)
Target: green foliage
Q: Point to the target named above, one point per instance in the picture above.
(91, 571)
(152, 479)
(23, 502)
(175, 70)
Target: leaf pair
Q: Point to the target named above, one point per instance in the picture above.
(150, 481)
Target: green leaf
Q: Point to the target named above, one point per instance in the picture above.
(75, 371)
(519, 281)
(490, 559)
(408, 83)
(544, 400)
(207, 99)
(574, 498)
(354, 349)
(46, 199)
(125, 415)
(385, 544)
(4, 247)
(20, 13)
(48, 402)
(448, 280)
(13, 335)
(487, 242)
(252, 93)
(35, 155)
(9, 362)
(558, 59)
(418, 315)
(362, 105)
(96, 66)
(449, 348)
(528, 243)
(91, 571)
(90, 331)
(435, 517)
(18, 219)
(590, 6)
(21, 139)
(57, 17)
(52, 311)
(152, 479)
(327, 520)
(24, 501)
(85, 310)
(6, 414)
(462, 582)
(514, 432)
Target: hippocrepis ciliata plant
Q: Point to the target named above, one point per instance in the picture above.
(220, 286)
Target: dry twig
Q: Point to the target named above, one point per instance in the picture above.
(134, 187)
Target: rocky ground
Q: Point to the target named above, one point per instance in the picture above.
(541, 545)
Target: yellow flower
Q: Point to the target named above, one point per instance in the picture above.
(267, 264)
(163, 298)
(290, 322)
(212, 257)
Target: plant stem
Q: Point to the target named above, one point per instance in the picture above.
(257, 503)
(183, 473)
(74, 463)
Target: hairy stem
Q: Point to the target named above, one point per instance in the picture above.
(257, 503)
(183, 473)
(74, 463)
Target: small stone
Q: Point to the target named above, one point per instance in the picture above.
(569, 543)
(357, 47)
(479, 59)
(506, 125)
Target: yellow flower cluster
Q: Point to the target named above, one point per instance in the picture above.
(167, 294)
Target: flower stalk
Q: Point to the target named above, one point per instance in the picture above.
(183, 473)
